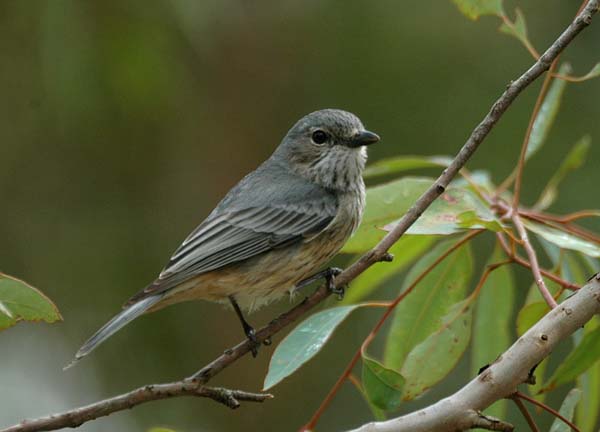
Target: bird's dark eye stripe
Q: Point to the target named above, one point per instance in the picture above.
(319, 137)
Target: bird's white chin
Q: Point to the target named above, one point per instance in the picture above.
(340, 169)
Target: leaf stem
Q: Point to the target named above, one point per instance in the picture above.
(548, 409)
(525, 413)
(535, 267)
(357, 355)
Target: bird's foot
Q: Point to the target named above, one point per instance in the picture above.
(254, 343)
(330, 276)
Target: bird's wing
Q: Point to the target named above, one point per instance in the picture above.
(232, 236)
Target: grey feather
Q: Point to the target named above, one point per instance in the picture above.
(269, 208)
(114, 325)
(307, 186)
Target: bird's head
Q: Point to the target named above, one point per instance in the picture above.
(328, 147)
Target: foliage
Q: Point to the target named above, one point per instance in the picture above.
(438, 308)
(20, 301)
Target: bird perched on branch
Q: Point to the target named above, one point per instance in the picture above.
(280, 223)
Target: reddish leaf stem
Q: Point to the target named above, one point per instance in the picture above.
(535, 267)
(526, 414)
(357, 355)
(547, 408)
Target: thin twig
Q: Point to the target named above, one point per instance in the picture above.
(525, 145)
(528, 418)
(547, 408)
(535, 267)
(76, 417)
(562, 226)
(524, 263)
(528, 46)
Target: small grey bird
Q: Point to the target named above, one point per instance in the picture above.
(279, 224)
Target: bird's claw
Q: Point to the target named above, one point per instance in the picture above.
(254, 343)
(330, 277)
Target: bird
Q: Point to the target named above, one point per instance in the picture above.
(280, 223)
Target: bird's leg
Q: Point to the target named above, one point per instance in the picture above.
(329, 275)
(248, 329)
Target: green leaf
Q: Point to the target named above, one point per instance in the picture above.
(304, 342)
(563, 239)
(529, 315)
(473, 9)
(593, 73)
(574, 159)
(589, 383)
(492, 315)
(405, 251)
(455, 211)
(22, 302)
(420, 314)
(534, 309)
(586, 354)
(160, 429)
(382, 386)
(430, 361)
(547, 113)
(482, 178)
(385, 203)
(400, 164)
(518, 28)
(567, 410)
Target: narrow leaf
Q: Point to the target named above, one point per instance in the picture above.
(567, 410)
(400, 164)
(492, 315)
(20, 301)
(304, 342)
(585, 354)
(385, 203)
(545, 118)
(473, 9)
(456, 210)
(382, 386)
(420, 314)
(529, 315)
(593, 73)
(517, 29)
(405, 251)
(589, 383)
(563, 239)
(430, 361)
(574, 159)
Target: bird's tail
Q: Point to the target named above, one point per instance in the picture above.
(114, 325)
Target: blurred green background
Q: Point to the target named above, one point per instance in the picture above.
(122, 123)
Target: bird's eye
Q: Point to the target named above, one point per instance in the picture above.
(319, 137)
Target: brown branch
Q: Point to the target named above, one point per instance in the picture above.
(535, 267)
(524, 263)
(547, 408)
(378, 253)
(530, 421)
(501, 379)
(78, 416)
(525, 145)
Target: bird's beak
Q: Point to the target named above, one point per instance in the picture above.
(363, 138)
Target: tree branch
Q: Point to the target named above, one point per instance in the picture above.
(378, 253)
(78, 416)
(501, 379)
(535, 267)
